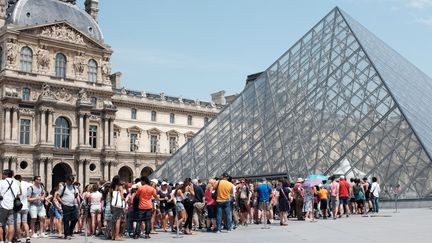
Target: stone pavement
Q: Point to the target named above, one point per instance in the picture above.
(407, 226)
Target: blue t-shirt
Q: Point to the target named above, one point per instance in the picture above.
(264, 191)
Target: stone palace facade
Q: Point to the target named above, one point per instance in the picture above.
(64, 112)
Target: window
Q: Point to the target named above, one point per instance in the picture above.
(60, 65)
(189, 121)
(92, 70)
(153, 116)
(61, 133)
(25, 94)
(93, 136)
(153, 144)
(25, 131)
(133, 142)
(26, 57)
(133, 113)
(172, 144)
(172, 118)
(206, 120)
(93, 101)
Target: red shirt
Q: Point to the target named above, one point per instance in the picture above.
(145, 193)
(344, 188)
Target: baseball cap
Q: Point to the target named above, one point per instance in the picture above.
(299, 179)
(225, 174)
(164, 183)
(155, 181)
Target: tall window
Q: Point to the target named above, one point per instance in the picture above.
(93, 136)
(172, 118)
(25, 131)
(153, 144)
(153, 116)
(133, 142)
(92, 70)
(133, 113)
(189, 121)
(93, 101)
(61, 133)
(172, 144)
(60, 65)
(25, 94)
(26, 57)
(206, 120)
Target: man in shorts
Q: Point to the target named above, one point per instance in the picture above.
(344, 195)
(21, 216)
(9, 189)
(36, 197)
(334, 196)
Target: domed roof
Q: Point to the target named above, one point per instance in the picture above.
(36, 12)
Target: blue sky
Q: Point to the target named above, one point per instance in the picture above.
(192, 48)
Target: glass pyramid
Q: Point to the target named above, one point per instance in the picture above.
(340, 101)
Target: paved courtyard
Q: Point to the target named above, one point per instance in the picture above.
(409, 225)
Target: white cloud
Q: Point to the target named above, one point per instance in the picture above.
(426, 21)
(420, 4)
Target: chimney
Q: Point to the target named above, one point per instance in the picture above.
(115, 80)
(219, 98)
(2, 13)
(91, 7)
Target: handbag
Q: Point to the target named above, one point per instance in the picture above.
(17, 206)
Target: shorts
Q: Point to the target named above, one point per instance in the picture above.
(352, 200)
(6, 217)
(334, 202)
(58, 214)
(180, 206)
(166, 208)
(264, 206)
(211, 210)
(95, 208)
(21, 216)
(344, 200)
(37, 210)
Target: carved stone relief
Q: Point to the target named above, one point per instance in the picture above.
(63, 33)
(79, 65)
(43, 59)
(46, 92)
(63, 95)
(82, 96)
(11, 54)
(10, 92)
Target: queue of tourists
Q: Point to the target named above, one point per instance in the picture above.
(117, 209)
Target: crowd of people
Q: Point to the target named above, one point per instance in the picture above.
(118, 209)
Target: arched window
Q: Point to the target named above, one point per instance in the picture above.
(172, 118)
(26, 58)
(153, 116)
(92, 70)
(25, 94)
(60, 65)
(189, 120)
(93, 101)
(61, 133)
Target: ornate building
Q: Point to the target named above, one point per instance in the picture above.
(64, 112)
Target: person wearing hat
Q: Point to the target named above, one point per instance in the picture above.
(224, 190)
(9, 189)
(298, 194)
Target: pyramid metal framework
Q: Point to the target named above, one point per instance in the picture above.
(339, 94)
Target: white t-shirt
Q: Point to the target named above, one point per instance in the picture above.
(24, 186)
(8, 197)
(68, 194)
(375, 189)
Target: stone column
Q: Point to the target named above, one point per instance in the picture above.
(86, 129)
(49, 167)
(111, 132)
(50, 128)
(80, 172)
(81, 130)
(42, 173)
(105, 170)
(7, 127)
(15, 124)
(113, 169)
(42, 127)
(5, 163)
(106, 133)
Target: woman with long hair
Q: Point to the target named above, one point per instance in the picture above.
(117, 207)
(211, 205)
(189, 197)
(95, 209)
(180, 208)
